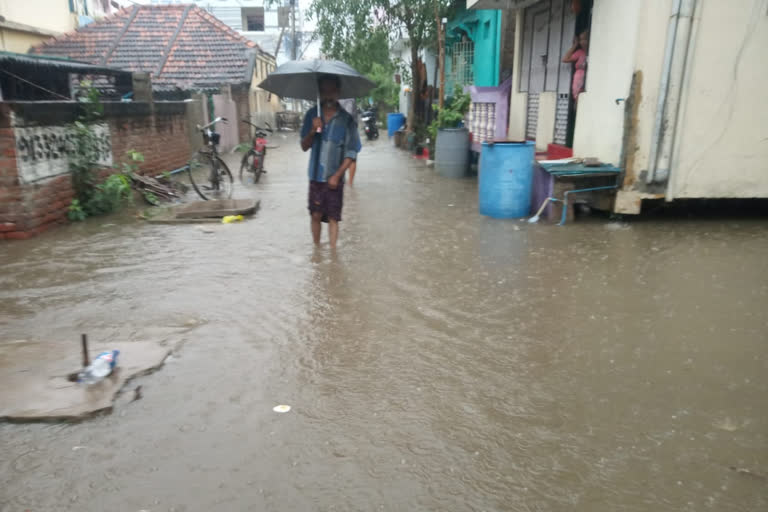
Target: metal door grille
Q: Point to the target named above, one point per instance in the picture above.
(561, 119)
(533, 115)
(462, 58)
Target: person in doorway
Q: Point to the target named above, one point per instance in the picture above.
(578, 56)
(351, 107)
(332, 135)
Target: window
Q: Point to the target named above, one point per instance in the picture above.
(253, 19)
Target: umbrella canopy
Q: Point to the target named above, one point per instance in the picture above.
(298, 79)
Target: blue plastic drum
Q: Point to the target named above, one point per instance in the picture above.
(394, 122)
(506, 178)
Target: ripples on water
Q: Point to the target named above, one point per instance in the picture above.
(439, 361)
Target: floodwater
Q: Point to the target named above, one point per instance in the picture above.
(439, 361)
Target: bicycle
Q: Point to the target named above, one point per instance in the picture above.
(252, 165)
(219, 175)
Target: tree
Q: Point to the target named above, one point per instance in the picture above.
(355, 23)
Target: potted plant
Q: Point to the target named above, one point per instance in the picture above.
(451, 137)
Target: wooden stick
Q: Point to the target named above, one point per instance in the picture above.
(86, 359)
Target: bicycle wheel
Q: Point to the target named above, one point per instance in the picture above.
(248, 174)
(215, 171)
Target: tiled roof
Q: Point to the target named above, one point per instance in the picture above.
(181, 45)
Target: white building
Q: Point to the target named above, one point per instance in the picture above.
(674, 94)
(401, 51)
(258, 21)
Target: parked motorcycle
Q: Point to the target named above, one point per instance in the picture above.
(369, 121)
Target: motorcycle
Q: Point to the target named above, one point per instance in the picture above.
(252, 166)
(369, 120)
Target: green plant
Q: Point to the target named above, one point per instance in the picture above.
(243, 147)
(151, 198)
(109, 195)
(361, 32)
(451, 114)
(75, 211)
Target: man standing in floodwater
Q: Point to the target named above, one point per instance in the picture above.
(332, 135)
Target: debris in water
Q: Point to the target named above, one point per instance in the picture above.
(727, 424)
(229, 219)
(281, 408)
(137, 394)
(750, 473)
(205, 229)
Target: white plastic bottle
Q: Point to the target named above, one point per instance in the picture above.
(99, 368)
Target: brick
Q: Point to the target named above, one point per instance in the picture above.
(51, 217)
(17, 235)
(6, 227)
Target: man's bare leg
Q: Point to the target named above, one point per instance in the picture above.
(333, 232)
(317, 226)
(351, 170)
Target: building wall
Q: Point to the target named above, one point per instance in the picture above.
(517, 100)
(721, 144)
(31, 203)
(51, 15)
(19, 41)
(612, 48)
(241, 97)
(484, 28)
(263, 105)
(719, 148)
(42, 19)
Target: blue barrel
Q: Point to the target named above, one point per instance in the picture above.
(506, 177)
(394, 122)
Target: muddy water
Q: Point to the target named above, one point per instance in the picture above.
(439, 361)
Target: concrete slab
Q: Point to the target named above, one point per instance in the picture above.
(218, 208)
(200, 211)
(34, 385)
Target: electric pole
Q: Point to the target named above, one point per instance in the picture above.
(440, 55)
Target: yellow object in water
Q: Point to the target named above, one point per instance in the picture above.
(231, 218)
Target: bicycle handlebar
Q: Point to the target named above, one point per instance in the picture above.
(217, 120)
(268, 128)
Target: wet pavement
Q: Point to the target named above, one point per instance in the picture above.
(438, 361)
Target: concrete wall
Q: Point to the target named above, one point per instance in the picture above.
(612, 48)
(545, 127)
(19, 41)
(517, 100)
(35, 184)
(52, 15)
(263, 105)
(721, 146)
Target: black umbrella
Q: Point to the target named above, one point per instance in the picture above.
(298, 79)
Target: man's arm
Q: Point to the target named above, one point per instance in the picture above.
(309, 130)
(307, 140)
(334, 180)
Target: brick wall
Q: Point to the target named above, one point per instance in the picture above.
(161, 137)
(29, 208)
